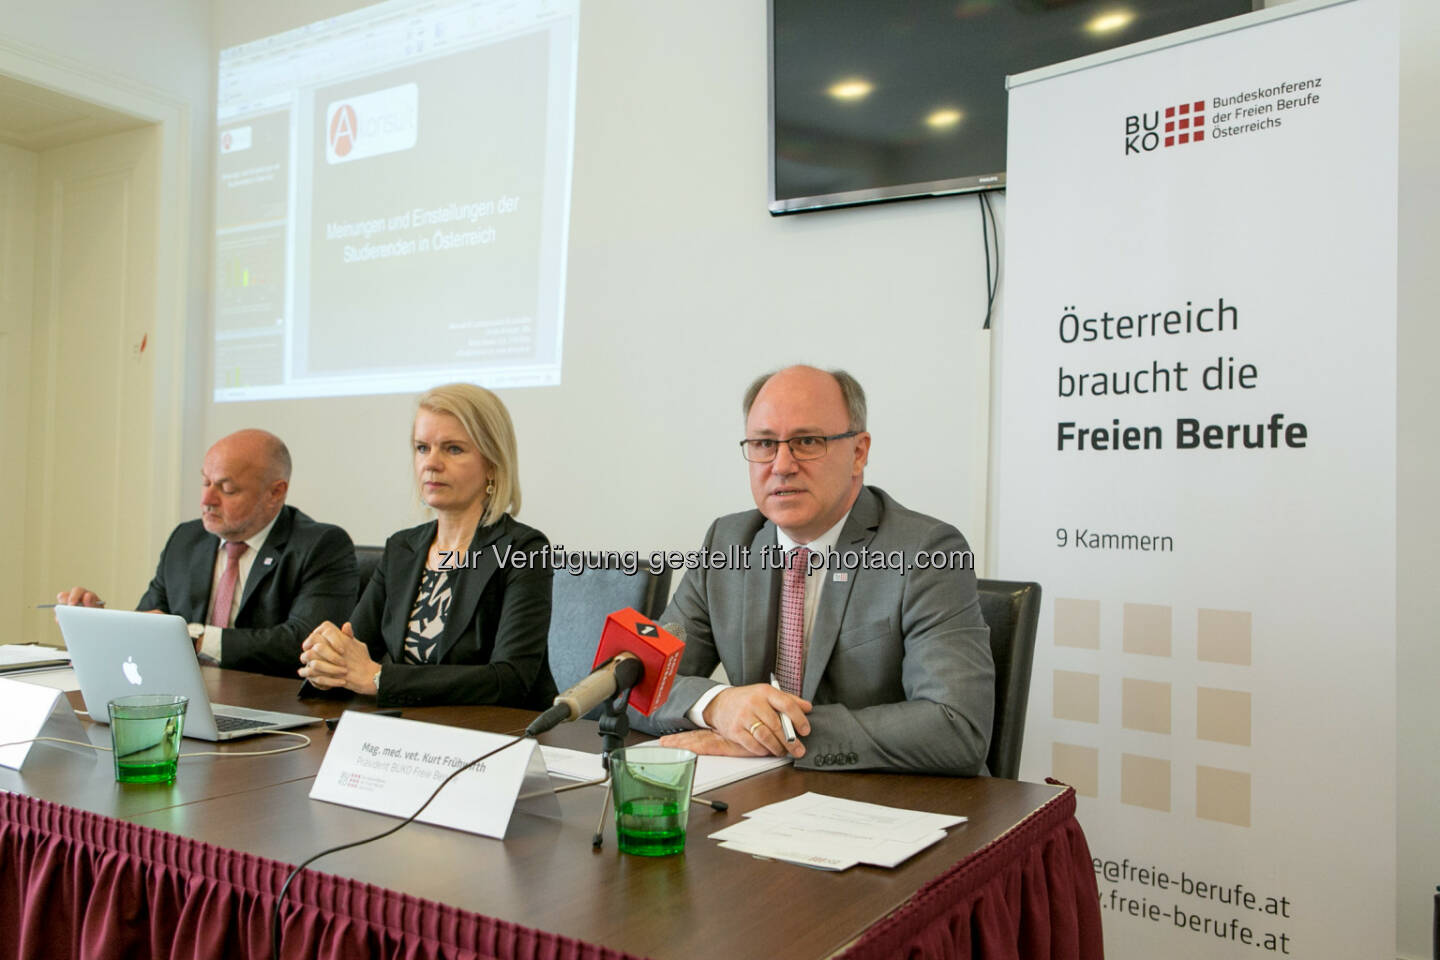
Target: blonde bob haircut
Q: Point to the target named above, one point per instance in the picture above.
(487, 424)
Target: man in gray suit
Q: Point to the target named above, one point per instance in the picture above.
(872, 633)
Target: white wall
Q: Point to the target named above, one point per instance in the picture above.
(160, 46)
(681, 289)
(17, 269)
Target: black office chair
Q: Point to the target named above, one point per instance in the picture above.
(1012, 610)
(366, 560)
(578, 605)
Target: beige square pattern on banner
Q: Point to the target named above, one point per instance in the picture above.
(1147, 629)
(1145, 781)
(1077, 696)
(1222, 715)
(1222, 795)
(1078, 766)
(1223, 636)
(1145, 705)
(1077, 623)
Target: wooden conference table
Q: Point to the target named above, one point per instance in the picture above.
(89, 867)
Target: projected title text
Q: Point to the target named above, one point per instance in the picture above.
(421, 230)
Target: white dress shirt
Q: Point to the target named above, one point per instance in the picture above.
(814, 583)
(210, 641)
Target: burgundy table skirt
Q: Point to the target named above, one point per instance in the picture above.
(76, 884)
(1029, 895)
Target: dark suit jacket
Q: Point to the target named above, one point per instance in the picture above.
(897, 663)
(303, 575)
(493, 647)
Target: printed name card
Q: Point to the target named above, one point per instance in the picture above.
(28, 711)
(389, 765)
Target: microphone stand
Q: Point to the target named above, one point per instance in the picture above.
(614, 728)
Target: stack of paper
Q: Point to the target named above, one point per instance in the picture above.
(15, 657)
(710, 772)
(830, 833)
(44, 666)
(571, 764)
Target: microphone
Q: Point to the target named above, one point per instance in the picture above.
(634, 653)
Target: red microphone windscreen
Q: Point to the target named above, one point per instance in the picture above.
(627, 631)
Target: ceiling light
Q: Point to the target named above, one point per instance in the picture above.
(943, 118)
(851, 88)
(1110, 22)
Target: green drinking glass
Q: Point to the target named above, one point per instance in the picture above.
(145, 731)
(651, 789)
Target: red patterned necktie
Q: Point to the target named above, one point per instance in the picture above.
(225, 595)
(790, 657)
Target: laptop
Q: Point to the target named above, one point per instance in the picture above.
(117, 653)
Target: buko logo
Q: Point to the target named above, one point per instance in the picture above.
(342, 130)
(1181, 124)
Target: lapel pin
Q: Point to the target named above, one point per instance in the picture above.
(841, 576)
(269, 560)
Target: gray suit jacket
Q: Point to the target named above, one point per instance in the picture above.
(897, 664)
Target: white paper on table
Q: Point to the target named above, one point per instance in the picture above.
(711, 773)
(784, 839)
(15, 653)
(820, 861)
(818, 811)
(572, 764)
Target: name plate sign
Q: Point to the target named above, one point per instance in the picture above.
(389, 765)
(28, 711)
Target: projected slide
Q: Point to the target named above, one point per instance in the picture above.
(392, 199)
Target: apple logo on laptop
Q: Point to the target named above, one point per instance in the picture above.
(132, 670)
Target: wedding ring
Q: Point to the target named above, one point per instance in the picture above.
(758, 723)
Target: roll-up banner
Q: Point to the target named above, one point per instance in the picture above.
(1195, 456)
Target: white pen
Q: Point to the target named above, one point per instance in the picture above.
(785, 723)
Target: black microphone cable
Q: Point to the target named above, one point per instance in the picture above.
(280, 898)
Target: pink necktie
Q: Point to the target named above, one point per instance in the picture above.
(790, 658)
(225, 595)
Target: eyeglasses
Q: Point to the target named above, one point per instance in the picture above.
(764, 449)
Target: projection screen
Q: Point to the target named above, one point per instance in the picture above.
(392, 200)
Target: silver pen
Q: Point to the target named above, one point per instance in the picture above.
(785, 723)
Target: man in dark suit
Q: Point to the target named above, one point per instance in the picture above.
(252, 576)
(873, 631)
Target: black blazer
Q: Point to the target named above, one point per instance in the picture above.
(303, 575)
(493, 647)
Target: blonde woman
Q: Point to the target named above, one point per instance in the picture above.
(459, 608)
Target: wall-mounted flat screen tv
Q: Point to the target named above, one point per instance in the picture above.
(892, 99)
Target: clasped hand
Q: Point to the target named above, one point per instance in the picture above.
(745, 722)
(331, 657)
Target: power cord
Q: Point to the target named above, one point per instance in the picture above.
(280, 898)
(991, 286)
(209, 753)
(306, 741)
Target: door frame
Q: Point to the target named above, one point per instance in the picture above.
(44, 68)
